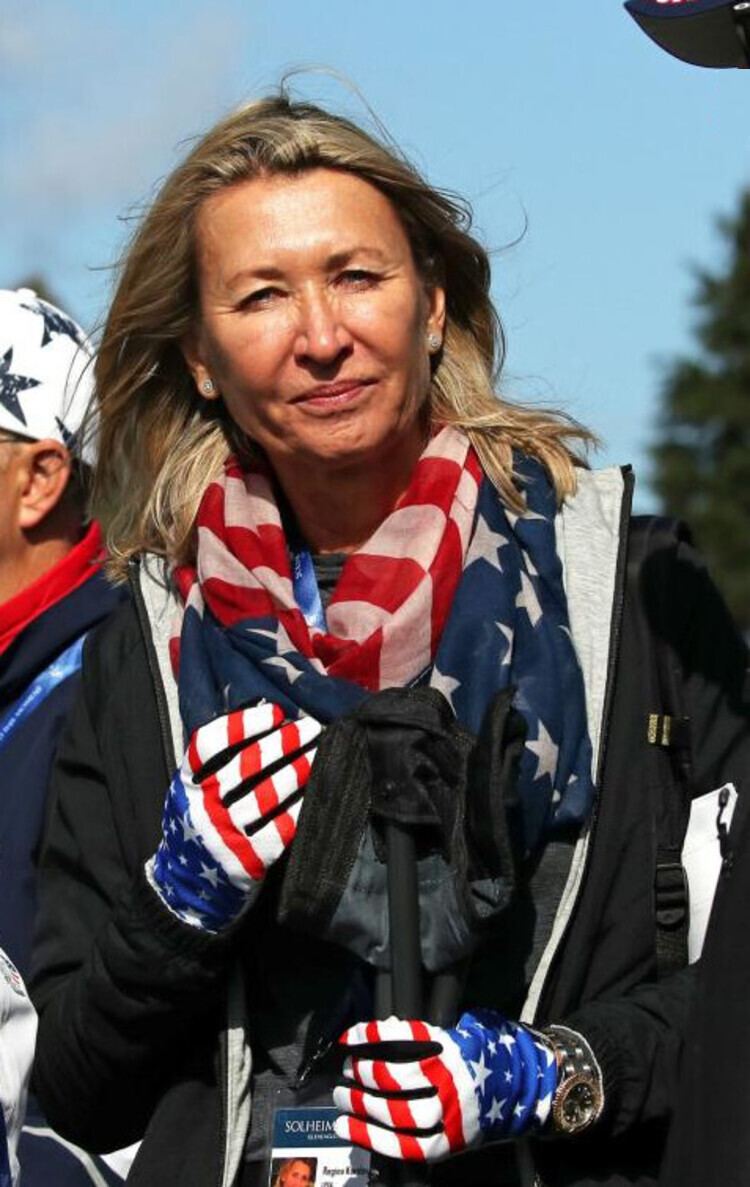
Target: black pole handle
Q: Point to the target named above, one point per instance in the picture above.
(403, 913)
(403, 995)
(445, 995)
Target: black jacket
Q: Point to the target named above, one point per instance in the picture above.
(132, 1003)
(27, 755)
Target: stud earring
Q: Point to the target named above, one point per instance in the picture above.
(434, 342)
(207, 387)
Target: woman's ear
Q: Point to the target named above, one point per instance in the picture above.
(436, 311)
(192, 353)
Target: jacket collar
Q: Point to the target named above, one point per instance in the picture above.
(42, 640)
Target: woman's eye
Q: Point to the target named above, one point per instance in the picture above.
(358, 278)
(259, 298)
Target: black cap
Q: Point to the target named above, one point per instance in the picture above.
(702, 32)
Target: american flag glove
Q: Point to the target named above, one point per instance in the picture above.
(417, 1092)
(231, 811)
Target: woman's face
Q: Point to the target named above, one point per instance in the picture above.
(298, 1175)
(313, 318)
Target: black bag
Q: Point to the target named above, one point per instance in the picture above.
(402, 756)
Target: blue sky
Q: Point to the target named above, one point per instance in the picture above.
(560, 122)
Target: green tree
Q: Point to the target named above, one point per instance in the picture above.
(702, 454)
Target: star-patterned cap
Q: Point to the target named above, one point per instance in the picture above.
(45, 369)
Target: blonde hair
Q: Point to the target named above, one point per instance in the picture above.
(285, 1168)
(161, 443)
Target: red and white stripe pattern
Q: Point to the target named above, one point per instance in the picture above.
(231, 812)
(419, 1110)
(248, 834)
(393, 596)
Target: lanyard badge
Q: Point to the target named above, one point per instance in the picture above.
(307, 1153)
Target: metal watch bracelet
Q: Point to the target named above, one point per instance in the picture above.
(579, 1097)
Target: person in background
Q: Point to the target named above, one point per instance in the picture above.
(52, 593)
(710, 1138)
(325, 512)
(709, 1142)
(17, 1035)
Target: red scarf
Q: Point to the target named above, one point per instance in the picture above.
(83, 560)
(393, 596)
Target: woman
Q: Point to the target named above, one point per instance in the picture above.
(295, 1172)
(307, 465)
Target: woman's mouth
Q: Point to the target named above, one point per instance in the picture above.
(332, 396)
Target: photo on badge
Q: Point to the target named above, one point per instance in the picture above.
(307, 1153)
(293, 1172)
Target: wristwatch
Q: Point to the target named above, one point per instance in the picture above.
(579, 1097)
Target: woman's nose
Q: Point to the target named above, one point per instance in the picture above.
(322, 333)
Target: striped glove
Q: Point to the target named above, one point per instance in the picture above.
(417, 1092)
(231, 811)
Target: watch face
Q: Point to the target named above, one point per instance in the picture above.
(577, 1105)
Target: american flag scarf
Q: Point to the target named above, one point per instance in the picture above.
(452, 590)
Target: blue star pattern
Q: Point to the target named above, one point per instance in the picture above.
(11, 384)
(512, 629)
(514, 1073)
(185, 875)
(46, 382)
(55, 322)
